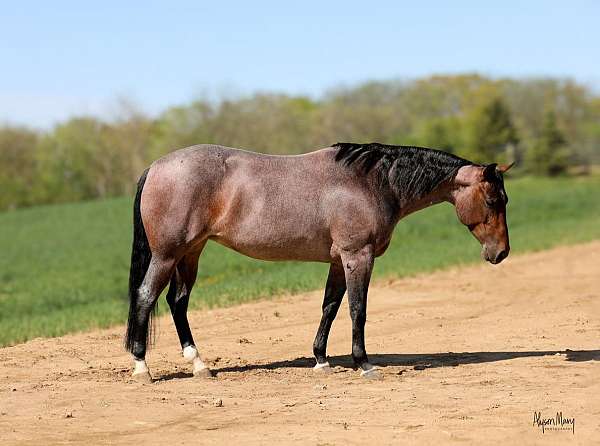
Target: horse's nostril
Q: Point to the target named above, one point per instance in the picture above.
(501, 256)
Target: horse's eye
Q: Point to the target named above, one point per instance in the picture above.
(490, 203)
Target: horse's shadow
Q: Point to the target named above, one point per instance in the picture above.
(419, 361)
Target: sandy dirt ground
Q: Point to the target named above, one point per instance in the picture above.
(468, 356)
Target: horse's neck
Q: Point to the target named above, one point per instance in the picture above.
(439, 195)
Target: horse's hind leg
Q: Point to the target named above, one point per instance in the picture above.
(178, 298)
(155, 280)
(334, 293)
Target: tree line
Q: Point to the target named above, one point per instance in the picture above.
(548, 126)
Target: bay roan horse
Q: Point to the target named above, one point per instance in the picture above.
(338, 205)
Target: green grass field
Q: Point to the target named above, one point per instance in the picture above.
(64, 268)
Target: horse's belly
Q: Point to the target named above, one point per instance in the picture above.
(264, 245)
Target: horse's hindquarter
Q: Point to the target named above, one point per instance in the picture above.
(275, 207)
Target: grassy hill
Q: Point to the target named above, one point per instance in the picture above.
(64, 268)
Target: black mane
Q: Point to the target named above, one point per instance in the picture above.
(412, 172)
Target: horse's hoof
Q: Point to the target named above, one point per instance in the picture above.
(143, 377)
(203, 373)
(322, 367)
(372, 373)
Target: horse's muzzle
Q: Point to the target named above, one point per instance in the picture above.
(494, 256)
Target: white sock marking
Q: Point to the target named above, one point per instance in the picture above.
(140, 367)
(319, 366)
(191, 354)
(368, 369)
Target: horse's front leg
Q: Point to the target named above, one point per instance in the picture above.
(334, 293)
(358, 266)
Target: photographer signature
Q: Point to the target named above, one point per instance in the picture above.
(556, 423)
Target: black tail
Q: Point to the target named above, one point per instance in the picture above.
(140, 261)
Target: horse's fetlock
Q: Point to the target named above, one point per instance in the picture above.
(190, 352)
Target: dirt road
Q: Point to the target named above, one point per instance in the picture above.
(526, 337)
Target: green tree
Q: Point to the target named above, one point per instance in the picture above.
(439, 133)
(72, 162)
(491, 132)
(182, 126)
(482, 119)
(550, 154)
(17, 166)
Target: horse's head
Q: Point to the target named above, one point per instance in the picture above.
(480, 201)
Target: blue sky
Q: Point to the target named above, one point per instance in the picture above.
(62, 58)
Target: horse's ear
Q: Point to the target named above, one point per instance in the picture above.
(489, 172)
(502, 168)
